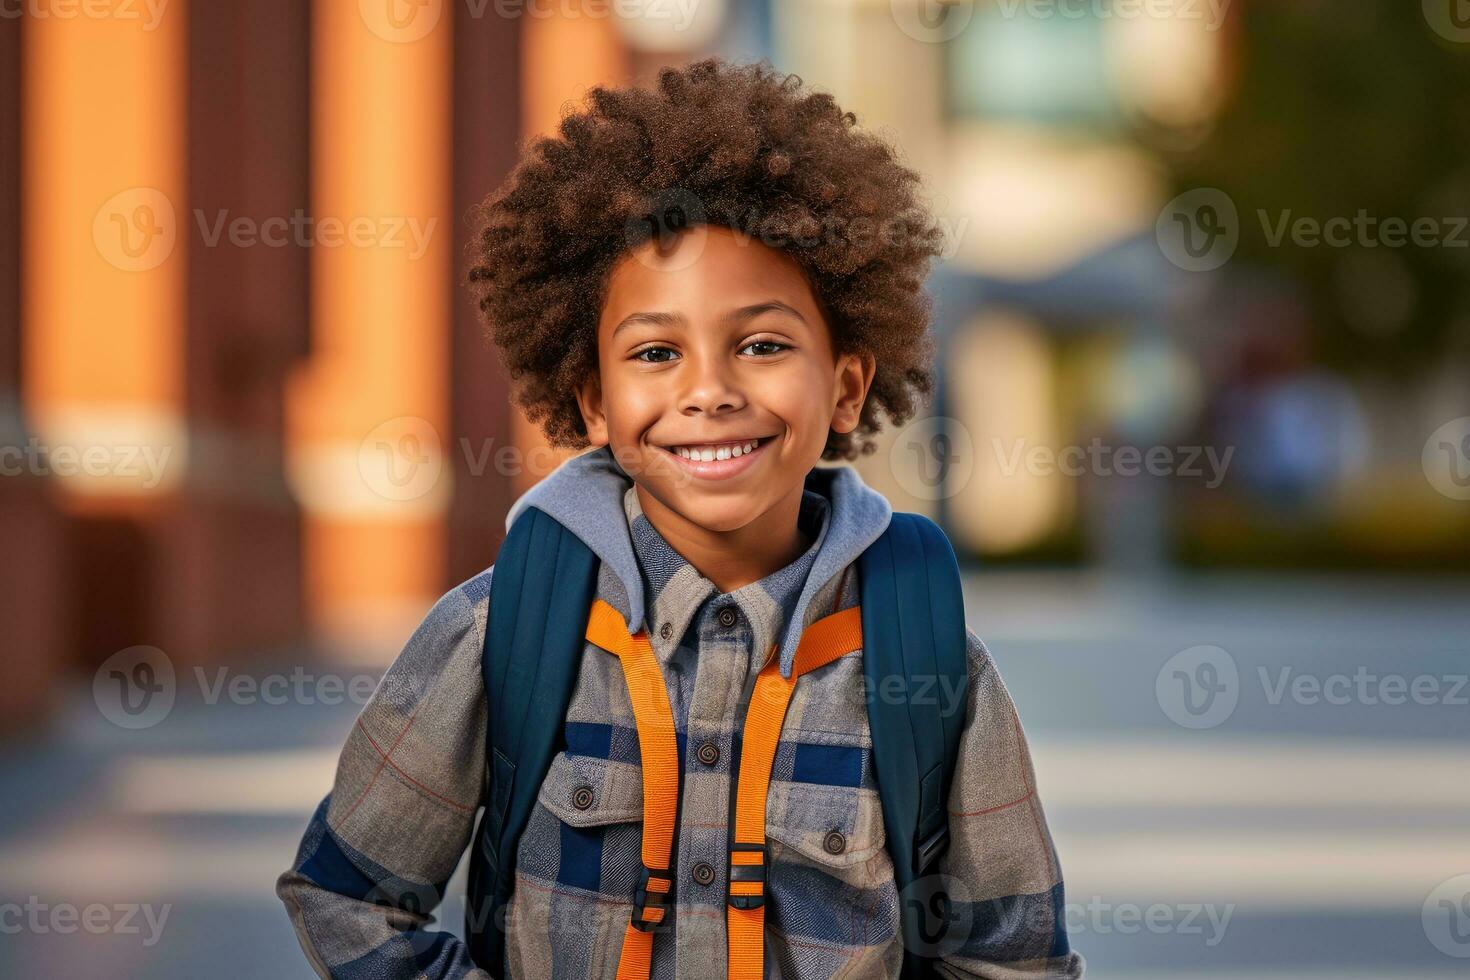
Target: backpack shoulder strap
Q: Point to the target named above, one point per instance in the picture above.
(541, 594)
(917, 676)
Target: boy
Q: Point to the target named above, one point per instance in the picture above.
(717, 284)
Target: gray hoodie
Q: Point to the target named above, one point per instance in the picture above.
(410, 778)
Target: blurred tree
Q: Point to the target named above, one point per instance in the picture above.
(1350, 111)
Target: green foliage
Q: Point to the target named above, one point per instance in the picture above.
(1338, 109)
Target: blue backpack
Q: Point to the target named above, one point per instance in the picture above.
(913, 621)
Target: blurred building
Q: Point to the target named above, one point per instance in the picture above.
(247, 400)
(249, 406)
(191, 359)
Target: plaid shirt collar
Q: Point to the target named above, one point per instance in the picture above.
(586, 494)
(678, 596)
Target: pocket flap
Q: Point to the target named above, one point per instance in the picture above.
(585, 791)
(836, 826)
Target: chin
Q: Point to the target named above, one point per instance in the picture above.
(722, 515)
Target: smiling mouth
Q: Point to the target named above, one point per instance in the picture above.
(708, 452)
(718, 460)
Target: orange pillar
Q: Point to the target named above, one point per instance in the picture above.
(36, 602)
(368, 411)
(104, 219)
(104, 214)
(563, 56)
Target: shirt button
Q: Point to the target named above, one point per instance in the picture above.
(582, 797)
(708, 753)
(834, 843)
(666, 630)
(728, 617)
(703, 873)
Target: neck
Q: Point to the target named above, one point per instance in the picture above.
(733, 559)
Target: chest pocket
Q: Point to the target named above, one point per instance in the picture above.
(589, 828)
(836, 829)
(829, 854)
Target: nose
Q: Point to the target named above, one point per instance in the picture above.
(708, 386)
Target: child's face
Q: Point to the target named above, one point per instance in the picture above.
(718, 340)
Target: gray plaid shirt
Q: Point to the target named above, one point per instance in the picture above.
(402, 809)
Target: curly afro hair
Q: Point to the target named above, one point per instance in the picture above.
(737, 145)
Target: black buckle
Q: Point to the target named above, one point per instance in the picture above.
(746, 872)
(643, 899)
(928, 851)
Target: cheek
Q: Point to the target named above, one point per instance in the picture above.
(632, 405)
(801, 394)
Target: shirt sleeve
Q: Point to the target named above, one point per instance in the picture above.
(1008, 918)
(380, 848)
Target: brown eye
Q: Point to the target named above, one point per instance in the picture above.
(652, 350)
(779, 347)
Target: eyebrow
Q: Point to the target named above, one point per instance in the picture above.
(660, 319)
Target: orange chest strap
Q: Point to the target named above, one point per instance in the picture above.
(821, 643)
(653, 901)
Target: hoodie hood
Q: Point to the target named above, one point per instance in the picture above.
(585, 495)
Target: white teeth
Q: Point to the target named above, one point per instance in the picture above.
(708, 454)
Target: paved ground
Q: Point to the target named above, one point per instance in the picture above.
(1235, 793)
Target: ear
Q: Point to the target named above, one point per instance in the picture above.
(854, 378)
(589, 401)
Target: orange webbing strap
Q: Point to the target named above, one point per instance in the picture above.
(660, 755)
(821, 643)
